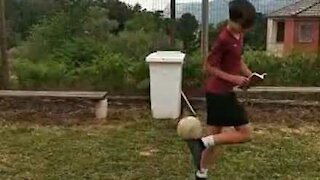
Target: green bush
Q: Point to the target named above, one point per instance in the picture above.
(67, 31)
(46, 36)
(138, 44)
(77, 52)
(192, 72)
(40, 75)
(295, 70)
(117, 73)
(110, 71)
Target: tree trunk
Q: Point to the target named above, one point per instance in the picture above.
(3, 46)
(185, 46)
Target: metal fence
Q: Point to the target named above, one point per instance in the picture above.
(218, 9)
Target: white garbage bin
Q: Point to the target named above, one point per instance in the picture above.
(165, 83)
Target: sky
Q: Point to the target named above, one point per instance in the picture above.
(150, 4)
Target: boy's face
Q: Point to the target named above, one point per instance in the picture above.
(240, 29)
(236, 27)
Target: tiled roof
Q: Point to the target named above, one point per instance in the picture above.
(302, 8)
(313, 11)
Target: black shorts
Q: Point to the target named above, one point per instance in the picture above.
(225, 110)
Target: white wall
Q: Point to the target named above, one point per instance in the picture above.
(272, 46)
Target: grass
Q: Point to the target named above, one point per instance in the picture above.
(144, 149)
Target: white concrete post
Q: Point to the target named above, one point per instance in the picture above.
(102, 109)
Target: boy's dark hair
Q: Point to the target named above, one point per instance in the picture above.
(242, 12)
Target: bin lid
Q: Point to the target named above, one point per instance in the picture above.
(166, 57)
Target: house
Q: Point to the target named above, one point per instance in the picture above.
(294, 28)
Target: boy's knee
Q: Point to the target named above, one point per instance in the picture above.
(247, 135)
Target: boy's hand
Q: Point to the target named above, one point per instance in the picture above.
(240, 80)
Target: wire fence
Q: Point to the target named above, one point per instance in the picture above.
(218, 9)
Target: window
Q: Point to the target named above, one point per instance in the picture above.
(280, 31)
(305, 32)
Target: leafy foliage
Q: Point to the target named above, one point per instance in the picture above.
(119, 11)
(187, 26)
(40, 75)
(256, 37)
(22, 14)
(147, 22)
(138, 44)
(295, 70)
(84, 44)
(97, 24)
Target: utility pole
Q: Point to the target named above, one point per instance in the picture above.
(173, 9)
(3, 43)
(205, 31)
(173, 18)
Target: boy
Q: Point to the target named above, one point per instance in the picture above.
(226, 70)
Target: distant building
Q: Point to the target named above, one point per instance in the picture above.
(294, 28)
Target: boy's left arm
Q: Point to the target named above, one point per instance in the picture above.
(245, 70)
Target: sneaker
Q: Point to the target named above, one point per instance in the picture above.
(198, 178)
(201, 176)
(196, 148)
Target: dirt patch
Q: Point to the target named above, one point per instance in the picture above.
(79, 112)
(63, 112)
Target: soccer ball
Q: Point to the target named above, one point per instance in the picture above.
(189, 128)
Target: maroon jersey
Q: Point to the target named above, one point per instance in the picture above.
(226, 55)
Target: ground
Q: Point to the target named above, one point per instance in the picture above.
(131, 145)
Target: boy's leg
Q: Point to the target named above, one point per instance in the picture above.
(202, 160)
(236, 116)
(240, 135)
(209, 155)
(222, 110)
(200, 146)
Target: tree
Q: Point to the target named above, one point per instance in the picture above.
(256, 38)
(186, 29)
(146, 21)
(3, 43)
(137, 8)
(118, 11)
(97, 24)
(22, 14)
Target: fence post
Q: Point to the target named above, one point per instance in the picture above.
(205, 31)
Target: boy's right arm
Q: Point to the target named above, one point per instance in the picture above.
(238, 80)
